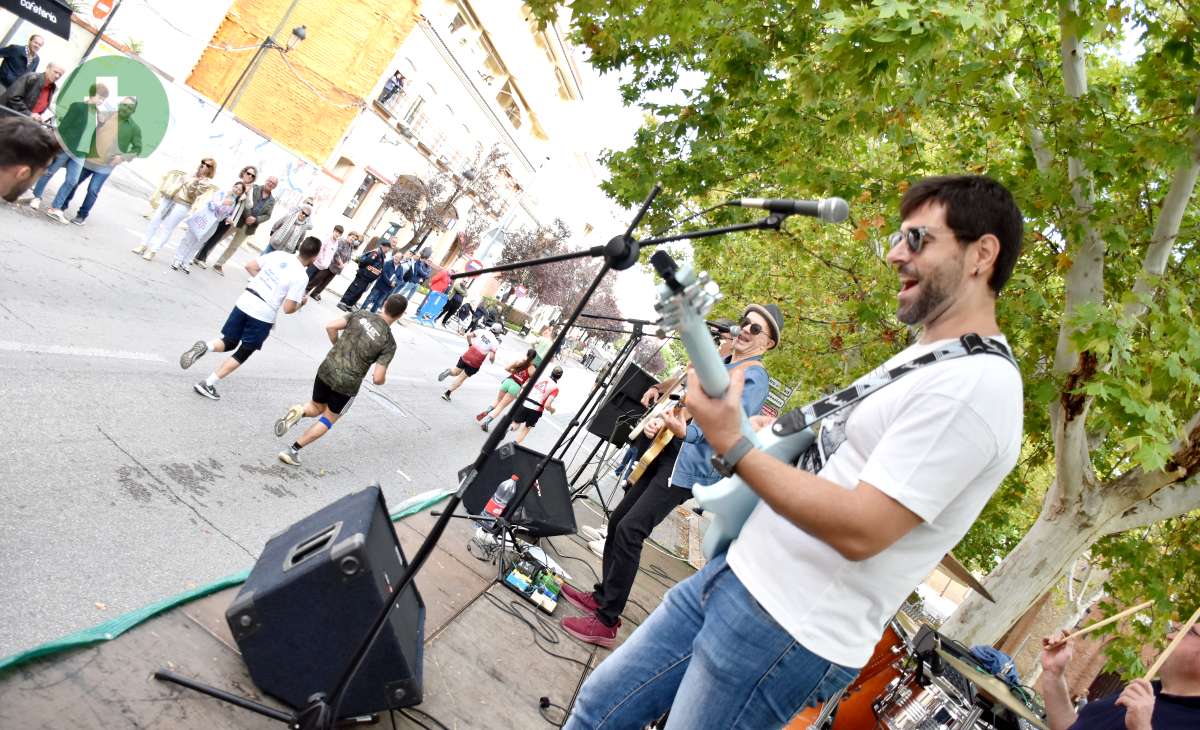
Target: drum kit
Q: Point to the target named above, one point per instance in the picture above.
(918, 679)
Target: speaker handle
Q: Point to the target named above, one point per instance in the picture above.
(309, 547)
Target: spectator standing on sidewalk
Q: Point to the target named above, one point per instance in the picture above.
(200, 224)
(318, 273)
(27, 150)
(32, 93)
(176, 206)
(391, 87)
(289, 231)
(458, 292)
(418, 274)
(387, 282)
(341, 257)
(257, 210)
(117, 138)
(247, 177)
(370, 266)
(16, 60)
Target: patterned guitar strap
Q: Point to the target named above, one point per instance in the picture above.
(840, 404)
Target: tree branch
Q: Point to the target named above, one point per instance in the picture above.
(1154, 263)
(1162, 493)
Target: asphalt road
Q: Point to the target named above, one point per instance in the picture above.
(121, 486)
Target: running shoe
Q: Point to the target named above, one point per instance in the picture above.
(481, 415)
(200, 263)
(294, 414)
(217, 268)
(484, 425)
(57, 215)
(443, 375)
(35, 203)
(189, 358)
(138, 250)
(78, 221)
(446, 396)
(290, 456)
(206, 390)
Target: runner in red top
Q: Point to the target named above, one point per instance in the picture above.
(482, 346)
(518, 375)
(540, 399)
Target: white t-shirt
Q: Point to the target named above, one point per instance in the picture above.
(938, 441)
(485, 341)
(544, 390)
(282, 277)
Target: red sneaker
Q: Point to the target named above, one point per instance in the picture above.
(591, 630)
(577, 598)
(481, 415)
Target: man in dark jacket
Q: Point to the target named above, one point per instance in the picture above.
(370, 266)
(258, 209)
(31, 94)
(16, 61)
(117, 139)
(386, 283)
(418, 274)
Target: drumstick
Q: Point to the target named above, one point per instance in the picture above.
(1105, 622)
(1182, 632)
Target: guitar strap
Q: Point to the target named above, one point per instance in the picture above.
(806, 416)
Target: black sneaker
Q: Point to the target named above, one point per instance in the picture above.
(189, 358)
(343, 306)
(206, 390)
(78, 221)
(290, 456)
(446, 396)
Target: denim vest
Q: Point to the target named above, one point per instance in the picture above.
(694, 464)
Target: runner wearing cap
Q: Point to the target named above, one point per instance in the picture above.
(482, 345)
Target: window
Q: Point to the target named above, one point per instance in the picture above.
(360, 195)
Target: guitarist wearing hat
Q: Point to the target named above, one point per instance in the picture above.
(686, 460)
(790, 613)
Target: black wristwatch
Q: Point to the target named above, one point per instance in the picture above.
(726, 464)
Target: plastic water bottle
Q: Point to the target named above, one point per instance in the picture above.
(499, 500)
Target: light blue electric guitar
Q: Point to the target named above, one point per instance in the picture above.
(685, 298)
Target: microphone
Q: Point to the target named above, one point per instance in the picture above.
(731, 329)
(830, 210)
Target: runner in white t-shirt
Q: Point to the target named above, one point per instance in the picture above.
(481, 345)
(278, 283)
(825, 560)
(540, 400)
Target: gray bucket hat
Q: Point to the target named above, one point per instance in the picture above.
(774, 318)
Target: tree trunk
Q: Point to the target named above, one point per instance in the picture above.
(1042, 557)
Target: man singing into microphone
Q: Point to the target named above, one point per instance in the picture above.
(686, 461)
(793, 610)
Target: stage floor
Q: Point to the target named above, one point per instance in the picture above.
(482, 666)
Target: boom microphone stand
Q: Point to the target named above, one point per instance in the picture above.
(620, 253)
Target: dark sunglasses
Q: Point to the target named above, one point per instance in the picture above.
(251, 173)
(206, 163)
(753, 327)
(913, 237)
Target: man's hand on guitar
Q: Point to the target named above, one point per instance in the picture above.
(674, 420)
(650, 396)
(652, 427)
(720, 418)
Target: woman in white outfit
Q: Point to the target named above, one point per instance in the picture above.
(177, 202)
(200, 225)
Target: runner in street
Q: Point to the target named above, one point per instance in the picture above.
(481, 345)
(540, 400)
(518, 374)
(278, 283)
(360, 339)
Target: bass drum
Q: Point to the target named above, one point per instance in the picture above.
(852, 709)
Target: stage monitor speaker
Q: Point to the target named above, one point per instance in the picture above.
(313, 595)
(546, 511)
(621, 412)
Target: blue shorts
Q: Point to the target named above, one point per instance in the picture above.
(241, 327)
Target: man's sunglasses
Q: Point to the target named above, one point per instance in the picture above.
(206, 163)
(753, 328)
(913, 237)
(251, 173)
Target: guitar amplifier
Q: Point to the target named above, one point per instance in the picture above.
(546, 510)
(313, 595)
(620, 413)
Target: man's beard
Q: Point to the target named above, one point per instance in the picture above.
(20, 188)
(935, 289)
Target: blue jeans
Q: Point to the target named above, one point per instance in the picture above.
(713, 657)
(60, 161)
(631, 457)
(376, 298)
(407, 289)
(76, 174)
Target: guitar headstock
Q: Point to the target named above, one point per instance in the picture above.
(684, 297)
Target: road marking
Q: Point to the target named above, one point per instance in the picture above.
(79, 351)
(404, 475)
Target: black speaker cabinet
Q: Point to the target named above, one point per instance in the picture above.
(621, 412)
(546, 511)
(311, 598)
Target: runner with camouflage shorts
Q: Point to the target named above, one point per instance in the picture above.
(359, 340)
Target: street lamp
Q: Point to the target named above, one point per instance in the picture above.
(299, 33)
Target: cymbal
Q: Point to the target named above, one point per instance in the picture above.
(992, 687)
(951, 565)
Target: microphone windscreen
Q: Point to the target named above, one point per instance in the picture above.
(834, 210)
